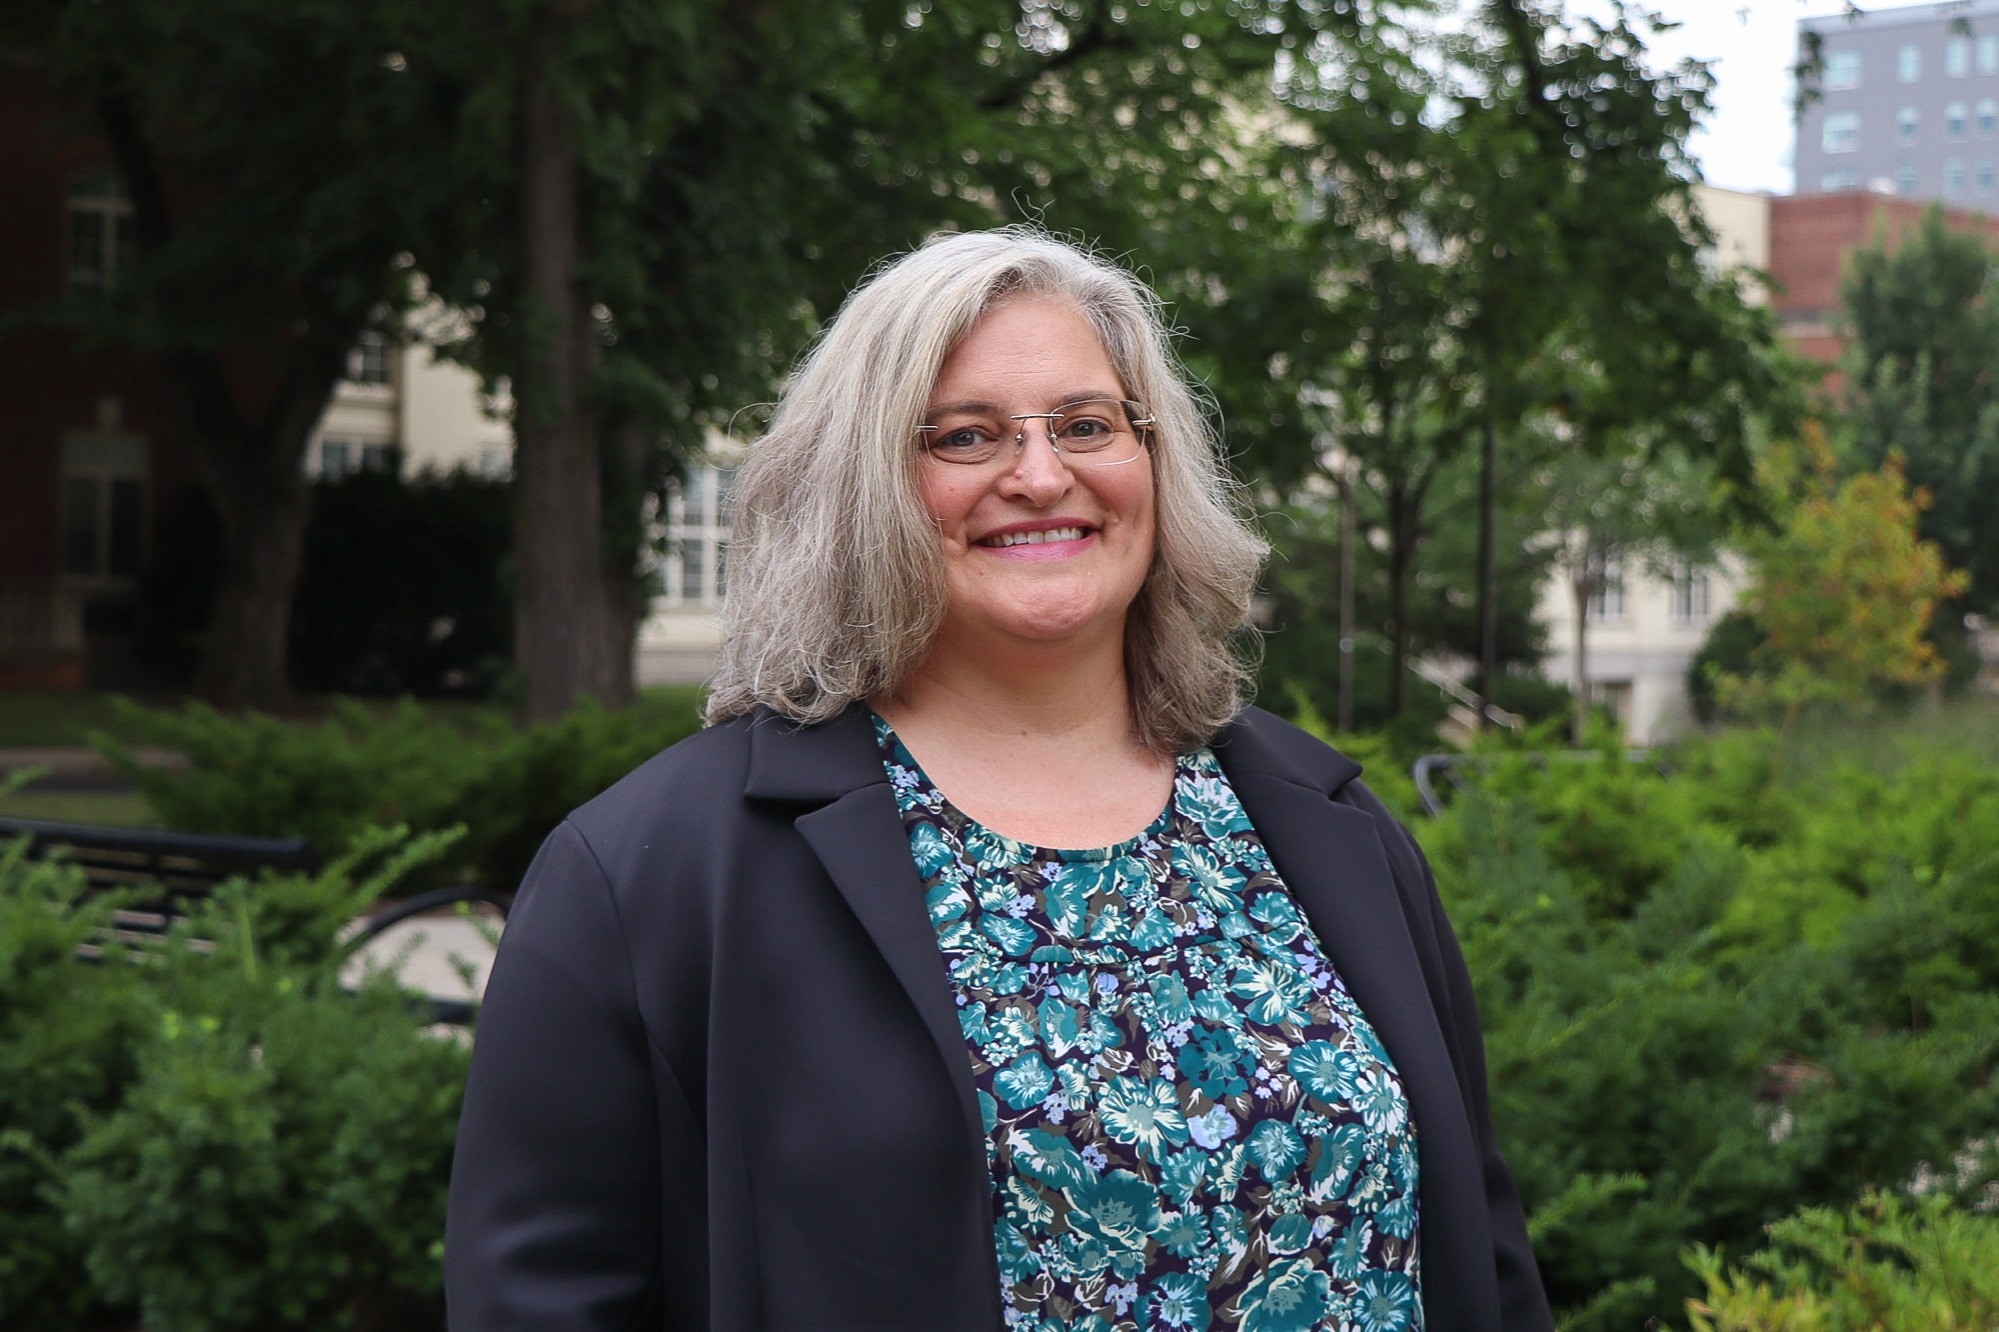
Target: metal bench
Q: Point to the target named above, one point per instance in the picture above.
(167, 874)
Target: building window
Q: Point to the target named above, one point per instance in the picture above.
(1842, 132)
(1985, 175)
(1953, 120)
(1842, 69)
(100, 231)
(697, 536)
(334, 457)
(1614, 697)
(1606, 598)
(1953, 178)
(1905, 179)
(1988, 117)
(1909, 63)
(1693, 598)
(1957, 57)
(103, 506)
(1988, 54)
(1907, 121)
(368, 363)
(1839, 178)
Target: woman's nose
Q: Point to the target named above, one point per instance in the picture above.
(1039, 473)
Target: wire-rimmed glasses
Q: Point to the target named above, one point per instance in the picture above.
(1092, 432)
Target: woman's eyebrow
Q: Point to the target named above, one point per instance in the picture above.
(1066, 399)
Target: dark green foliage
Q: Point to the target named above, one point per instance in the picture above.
(1711, 997)
(404, 589)
(1729, 648)
(222, 1137)
(329, 782)
(67, 1032)
(1920, 382)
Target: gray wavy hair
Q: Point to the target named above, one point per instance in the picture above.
(836, 580)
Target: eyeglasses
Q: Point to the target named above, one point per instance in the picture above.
(1097, 432)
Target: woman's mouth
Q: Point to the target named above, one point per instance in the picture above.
(1006, 539)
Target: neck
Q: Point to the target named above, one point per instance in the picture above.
(1032, 692)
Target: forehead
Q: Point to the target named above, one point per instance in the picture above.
(1028, 346)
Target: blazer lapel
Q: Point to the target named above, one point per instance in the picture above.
(853, 826)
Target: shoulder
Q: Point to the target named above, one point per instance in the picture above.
(1262, 742)
(1259, 744)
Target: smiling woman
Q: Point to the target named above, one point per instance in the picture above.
(986, 963)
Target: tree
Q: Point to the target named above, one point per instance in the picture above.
(276, 162)
(1619, 510)
(1843, 590)
(1922, 382)
(683, 192)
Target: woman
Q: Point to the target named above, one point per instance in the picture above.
(816, 1021)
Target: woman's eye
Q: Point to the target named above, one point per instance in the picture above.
(1085, 427)
(959, 439)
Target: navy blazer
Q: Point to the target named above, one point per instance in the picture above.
(719, 1081)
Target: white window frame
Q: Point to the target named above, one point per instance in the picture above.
(1988, 53)
(1957, 56)
(332, 457)
(1909, 63)
(1953, 178)
(1842, 68)
(694, 568)
(99, 208)
(104, 462)
(1841, 132)
(1983, 175)
(1987, 116)
(1606, 600)
(1908, 123)
(1693, 593)
(1906, 179)
(1955, 117)
(371, 362)
(1838, 179)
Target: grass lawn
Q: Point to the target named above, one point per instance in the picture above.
(119, 809)
(45, 719)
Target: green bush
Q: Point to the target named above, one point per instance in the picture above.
(365, 767)
(68, 1033)
(1881, 1266)
(222, 1137)
(1712, 997)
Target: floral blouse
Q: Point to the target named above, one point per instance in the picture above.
(1190, 1124)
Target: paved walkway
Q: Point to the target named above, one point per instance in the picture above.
(426, 951)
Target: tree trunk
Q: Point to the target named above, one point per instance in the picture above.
(572, 625)
(1348, 532)
(1488, 576)
(263, 503)
(1402, 534)
(1579, 588)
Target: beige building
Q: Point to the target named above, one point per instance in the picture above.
(399, 399)
(1645, 623)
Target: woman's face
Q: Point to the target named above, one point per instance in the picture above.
(1039, 545)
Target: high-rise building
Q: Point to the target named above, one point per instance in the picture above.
(1903, 102)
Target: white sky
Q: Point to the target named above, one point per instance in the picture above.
(1746, 144)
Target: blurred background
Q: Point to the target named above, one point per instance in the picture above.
(372, 374)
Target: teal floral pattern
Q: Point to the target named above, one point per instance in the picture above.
(1190, 1124)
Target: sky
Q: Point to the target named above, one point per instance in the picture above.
(1746, 144)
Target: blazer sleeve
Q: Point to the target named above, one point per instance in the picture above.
(554, 1221)
(1523, 1300)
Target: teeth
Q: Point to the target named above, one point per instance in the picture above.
(1036, 538)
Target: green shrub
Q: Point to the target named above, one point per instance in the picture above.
(280, 1160)
(364, 767)
(1713, 996)
(222, 1137)
(1881, 1266)
(67, 1036)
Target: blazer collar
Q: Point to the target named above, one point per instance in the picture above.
(1258, 743)
(811, 765)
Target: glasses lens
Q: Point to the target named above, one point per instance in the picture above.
(1095, 431)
